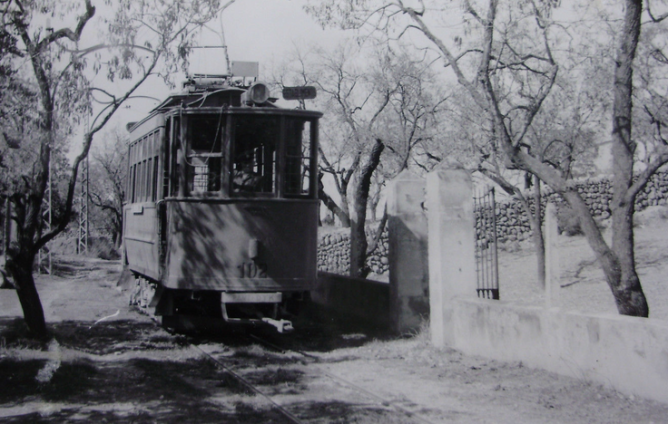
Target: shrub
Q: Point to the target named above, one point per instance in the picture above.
(567, 222)
(103, 248)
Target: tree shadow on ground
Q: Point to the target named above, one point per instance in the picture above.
(14, 334)
(113, 336)
(137, 390)
(116, 389)
(344, 413)
(88, 336)
(148, 391)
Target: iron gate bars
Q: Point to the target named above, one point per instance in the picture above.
(486, 255)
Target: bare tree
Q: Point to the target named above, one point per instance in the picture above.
(108, 170)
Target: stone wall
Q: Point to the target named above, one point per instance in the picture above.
(334, 252)
(354, 301)
(512, 223)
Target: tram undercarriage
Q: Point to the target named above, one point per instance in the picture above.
(234, 308)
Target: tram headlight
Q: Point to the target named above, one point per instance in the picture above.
(257, 93)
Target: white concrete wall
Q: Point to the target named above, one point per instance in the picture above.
(626, 353)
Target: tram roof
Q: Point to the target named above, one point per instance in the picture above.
(211, 101)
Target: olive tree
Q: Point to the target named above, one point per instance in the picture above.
(378, 105)
(491, 57)
(123, 47)
(107, 173)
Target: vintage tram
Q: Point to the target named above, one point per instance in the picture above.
(221, 210)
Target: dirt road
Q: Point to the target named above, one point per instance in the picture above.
(125, 369)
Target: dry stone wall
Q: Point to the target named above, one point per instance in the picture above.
(334, 252)
(512, 222)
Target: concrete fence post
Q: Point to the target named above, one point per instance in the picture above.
(452, 270)
(552, 283)
(407, 256)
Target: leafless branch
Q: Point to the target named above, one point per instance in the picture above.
(655, 19)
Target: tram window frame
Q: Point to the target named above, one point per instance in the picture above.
(129, 184)
(142, 173)
(164, 152)
(248, 168)
(305, 160)
(138, 168)
(205, 152)
(144, 162)
(175, 161)
(149, 163)
(140, 182)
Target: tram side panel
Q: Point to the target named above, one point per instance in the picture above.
(141, 239)
(241, 246)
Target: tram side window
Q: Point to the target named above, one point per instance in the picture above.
(254, 154)
(175, 158)
(153, 150)
(140, 181)
(298, 157)
(143, 171)
(139, 177)
(132, 176)
(136, 172)
(204, 160)
(154, 180)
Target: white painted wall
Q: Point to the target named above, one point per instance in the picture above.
(626, 353)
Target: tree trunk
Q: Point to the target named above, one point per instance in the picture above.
(117, 240)
(628, 292)
(625, 285)
(537, 232)
(20, 269)
(618, 261)
(358, 241)
(118, 230)
(331, 204)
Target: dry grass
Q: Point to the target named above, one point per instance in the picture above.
(583, 285)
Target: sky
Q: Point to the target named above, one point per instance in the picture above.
(254, 30)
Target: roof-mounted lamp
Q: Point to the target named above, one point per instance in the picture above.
(257, 93)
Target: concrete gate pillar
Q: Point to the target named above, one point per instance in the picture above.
(452, 270)
(407, 257)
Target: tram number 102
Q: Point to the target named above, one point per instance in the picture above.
(253, 270)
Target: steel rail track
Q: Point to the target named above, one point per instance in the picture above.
(237, 377)
(377, 398)
(249, 385)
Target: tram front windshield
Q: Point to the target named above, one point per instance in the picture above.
(254, 152)
(205, 158)
(254, 148)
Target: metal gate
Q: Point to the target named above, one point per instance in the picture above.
(486, 255)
